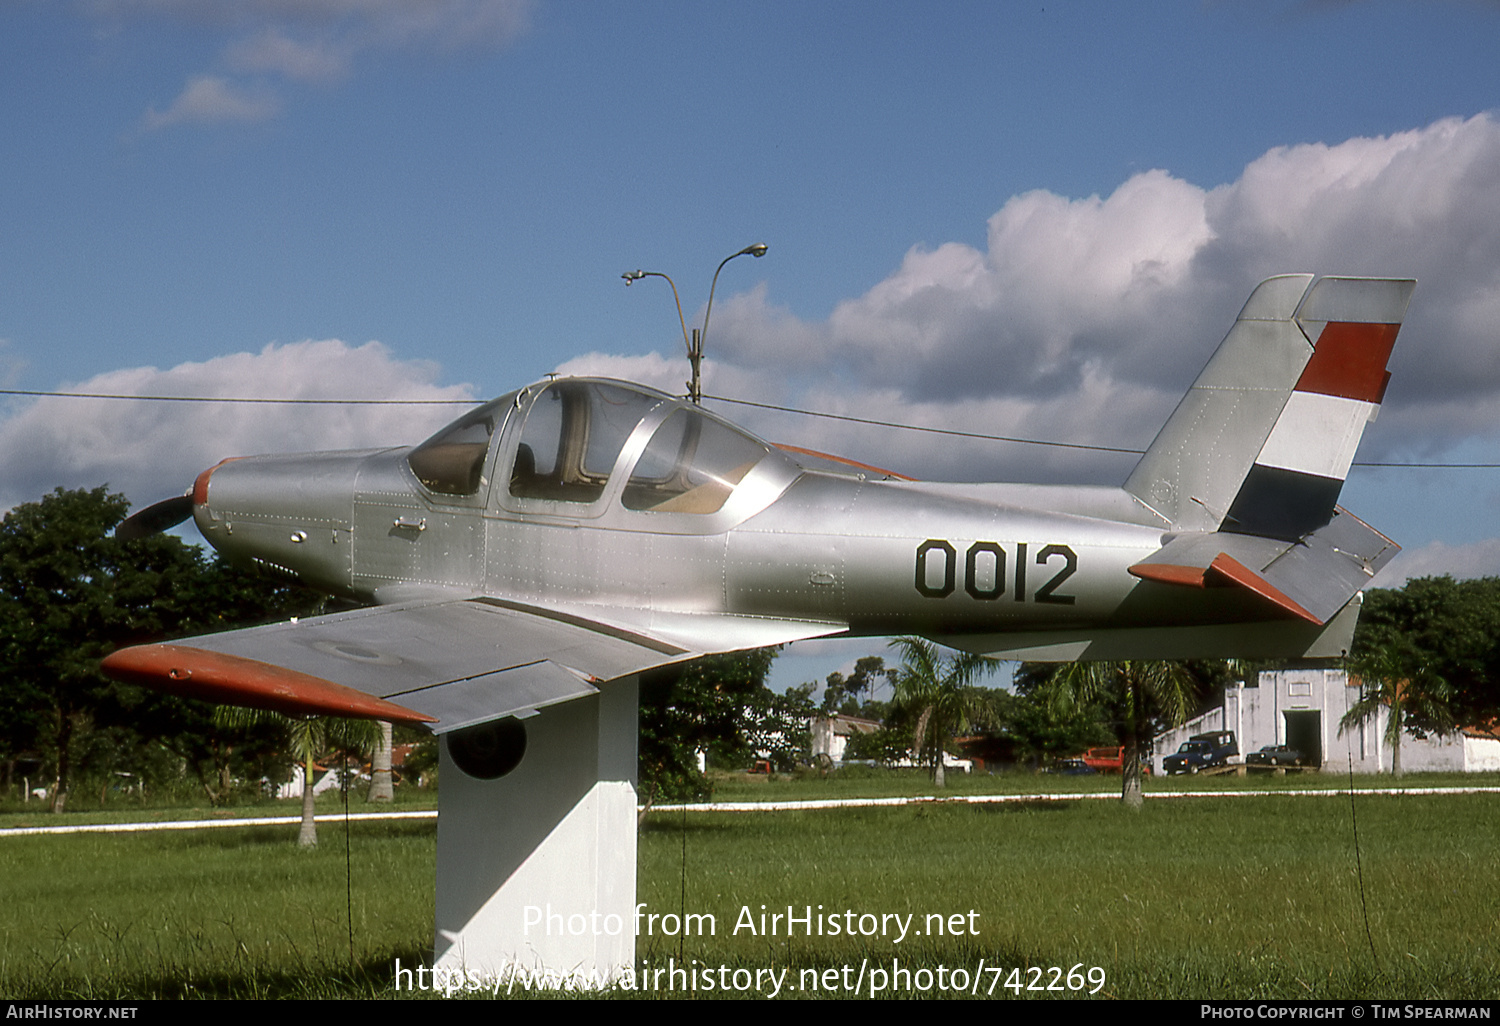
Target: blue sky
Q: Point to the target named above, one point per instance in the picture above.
(1030, 219)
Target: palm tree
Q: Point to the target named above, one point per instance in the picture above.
(1141, 692)
(1395, 677)
(942, 694)
(307, 738)
(381, 785)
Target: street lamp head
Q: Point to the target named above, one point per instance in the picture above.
(695, 342)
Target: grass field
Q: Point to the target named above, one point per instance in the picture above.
(1199, 898)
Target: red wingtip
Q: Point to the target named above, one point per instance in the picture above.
(844, 460)
(235, 680)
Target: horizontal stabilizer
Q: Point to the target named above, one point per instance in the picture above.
(1312, 578)
(1293, 639)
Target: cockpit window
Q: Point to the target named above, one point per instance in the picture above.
(573, 435)
(691, 465)
(451, 462)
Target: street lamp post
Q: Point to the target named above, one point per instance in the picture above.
(694, 342)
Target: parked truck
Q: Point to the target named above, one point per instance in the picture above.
(1201, 752)
(1105, 760)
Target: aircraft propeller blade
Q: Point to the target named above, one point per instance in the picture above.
(155, 518)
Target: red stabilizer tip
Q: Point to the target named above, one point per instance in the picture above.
(1169, 573)
(1242, 575)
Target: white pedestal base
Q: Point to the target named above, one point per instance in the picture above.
(536, 870)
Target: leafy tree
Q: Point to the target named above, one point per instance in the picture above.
(841, 694)
(1397, 676)
(1042, 730)
(698, 706)
(1445, 635)
(778, 726)
(421, 764)
(70, 593)
(1143, 697)
(941, 694)
(885, 746)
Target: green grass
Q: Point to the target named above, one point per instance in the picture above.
(1243, 899)
(859, 782)
(224, 912)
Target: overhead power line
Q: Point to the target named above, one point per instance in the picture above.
(245, 399)
(927, 430)
(718, 398)
(1037, 441)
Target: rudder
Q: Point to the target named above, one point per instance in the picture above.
(1295, 481)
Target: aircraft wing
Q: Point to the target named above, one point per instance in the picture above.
(449, 664)
(1311, 578)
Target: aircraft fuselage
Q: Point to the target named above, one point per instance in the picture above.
(881, 556)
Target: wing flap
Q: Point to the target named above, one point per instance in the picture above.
(707, 632)
(516, 691)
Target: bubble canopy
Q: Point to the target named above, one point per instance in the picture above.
(569, 436)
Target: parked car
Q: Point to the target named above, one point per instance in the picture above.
(1202, 751)
(1071, 767)
(1274, 755)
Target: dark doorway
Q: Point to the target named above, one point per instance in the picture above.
(1304, 732)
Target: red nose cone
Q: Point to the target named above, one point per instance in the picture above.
(200, 486)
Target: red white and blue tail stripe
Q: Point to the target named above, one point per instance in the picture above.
(1292, 488)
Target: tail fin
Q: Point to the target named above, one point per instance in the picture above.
(1262, 442)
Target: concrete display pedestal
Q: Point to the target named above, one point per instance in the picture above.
(536, 870)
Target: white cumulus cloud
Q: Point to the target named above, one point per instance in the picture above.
(1085, 319)
(1435, 559)
(152, 450)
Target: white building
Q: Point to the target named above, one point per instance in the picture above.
(830, 734)
(1303, 708)
(293, 788)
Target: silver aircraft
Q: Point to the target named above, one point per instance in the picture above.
(581, 530)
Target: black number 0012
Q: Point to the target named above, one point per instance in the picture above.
(984, 571)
